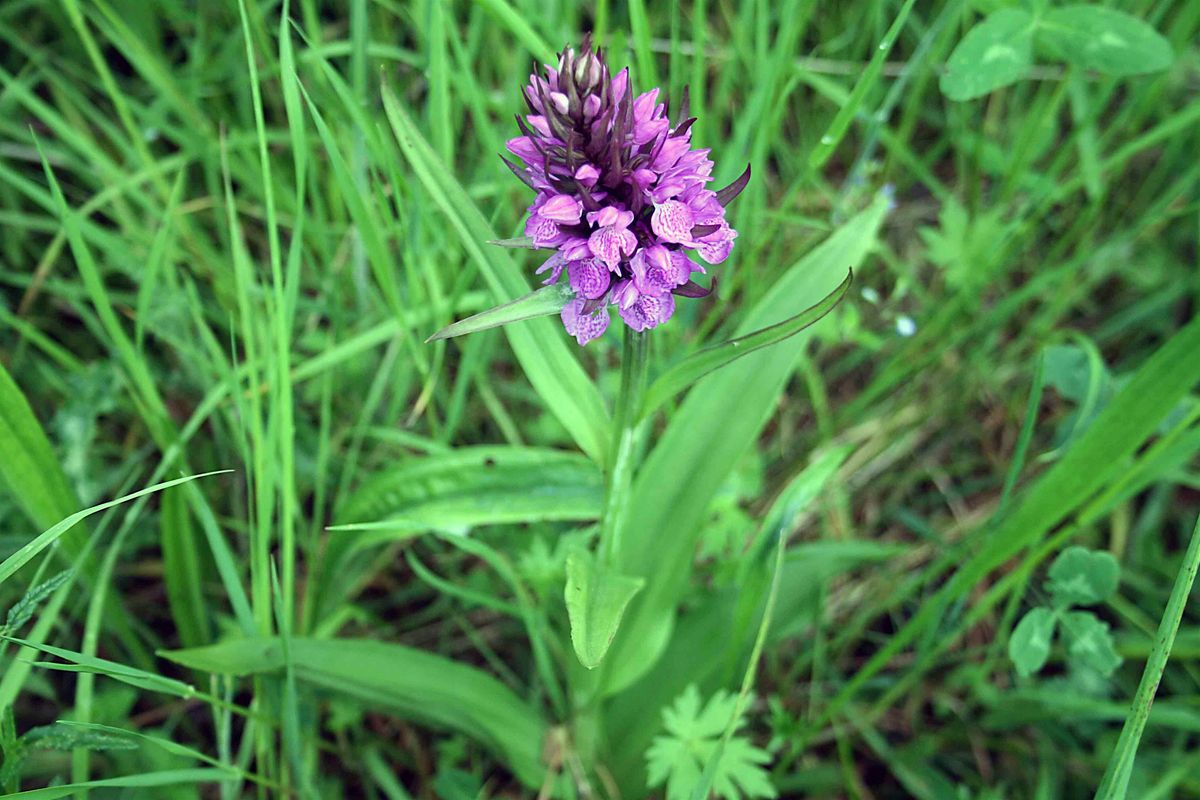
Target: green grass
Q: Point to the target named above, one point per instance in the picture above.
(226, 233)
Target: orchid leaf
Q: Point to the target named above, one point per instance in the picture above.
(411, 683)
(545, 301)
(716, 423)
(518, 242)
(596, 598)
(696, 366)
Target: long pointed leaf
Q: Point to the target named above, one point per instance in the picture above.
(544, 302)
(710, 359)
(453, 492)
(83, 663)
(718, 421)
(411, 682)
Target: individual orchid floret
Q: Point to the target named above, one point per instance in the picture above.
(622, 196)
(590, 278)
(612, 241)
(582, 321)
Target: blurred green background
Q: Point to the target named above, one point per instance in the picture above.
(208, 266)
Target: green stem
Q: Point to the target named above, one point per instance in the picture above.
(622, 462)
(623, 457)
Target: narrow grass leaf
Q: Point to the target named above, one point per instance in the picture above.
(518, 25)
(1120, 765)
(867, 81)
(701, 791)
(183, 574)
(1050, 705)
(367, 218)
(133, 737)
(146, 780)
(647, 75)
(80, 662)
(29, 468)
(802, 490)
(52, 534)
(471, 597)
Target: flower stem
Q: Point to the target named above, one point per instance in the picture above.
(623, 456)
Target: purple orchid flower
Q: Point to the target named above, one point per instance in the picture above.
(622, 197)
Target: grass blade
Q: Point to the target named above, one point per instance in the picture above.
(147, 780)
(870, 76)
(1120, 764)
(519, 27)
(52, 534)
(29, 468)
(710, 768)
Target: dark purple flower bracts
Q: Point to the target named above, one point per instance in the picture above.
(621, 195)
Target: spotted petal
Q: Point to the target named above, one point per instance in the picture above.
(672, 221)
(584, 326)
(590, 277)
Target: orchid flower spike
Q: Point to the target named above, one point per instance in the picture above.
(622, 196)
